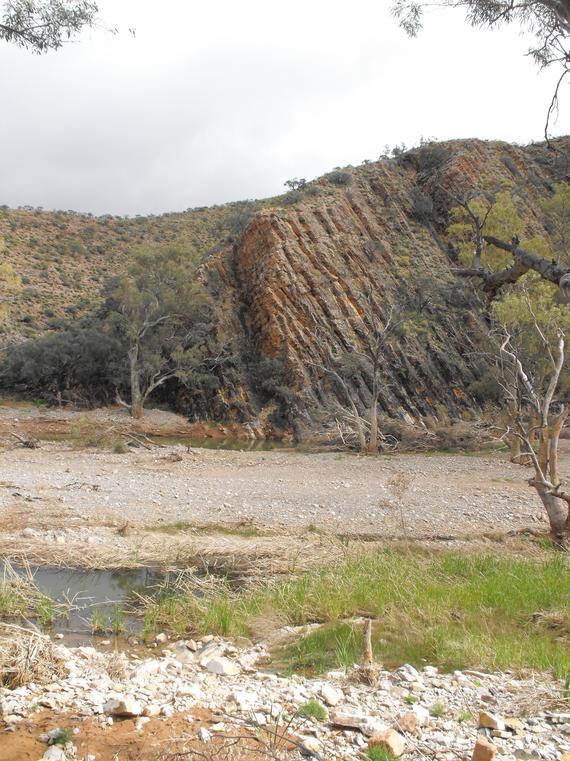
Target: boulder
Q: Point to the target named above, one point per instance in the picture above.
(348, 719)
(389, 739)
(484, 750)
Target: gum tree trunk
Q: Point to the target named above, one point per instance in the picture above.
(136, 395)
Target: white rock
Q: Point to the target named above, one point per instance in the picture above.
(140, 723)
(123, 706)
(331, 695)
(161, 638)
(54, 753)
(310, 746)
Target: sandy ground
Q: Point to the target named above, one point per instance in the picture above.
(272, 502)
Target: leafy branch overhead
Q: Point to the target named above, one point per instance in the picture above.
(483, 246)
(42, 25)
(547, 21)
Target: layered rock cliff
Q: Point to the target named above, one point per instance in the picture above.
(307, 282)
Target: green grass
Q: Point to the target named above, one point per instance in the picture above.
(64, 736)
(437, 710)
(21, 598)
(312, 709)
(450, 610)
(380, 754)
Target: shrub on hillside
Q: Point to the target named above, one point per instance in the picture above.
(431, 156)
(339, 177)
(422, 205)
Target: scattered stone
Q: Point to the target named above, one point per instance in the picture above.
(54, 753)
(348, 719)
(311, 747)
(222, 666)
(123, 707)
(161, 638)
(151, 710)
(389, 739)
(331, 695)
(204, 735)
(484, 750)
(491, 721)
(408, 722)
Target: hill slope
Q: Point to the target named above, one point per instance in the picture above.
(299, 279)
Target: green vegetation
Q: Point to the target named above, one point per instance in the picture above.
(160, 310)
(21, 598)
(312, 709)
(380, 754)
(449, 610)
(64, 735)
(437, 710)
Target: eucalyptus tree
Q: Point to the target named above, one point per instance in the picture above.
(162, 311)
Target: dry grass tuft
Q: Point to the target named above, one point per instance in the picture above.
(27, 656)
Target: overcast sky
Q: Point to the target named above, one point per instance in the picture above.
(225, 100)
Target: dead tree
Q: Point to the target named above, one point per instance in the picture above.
(368, 358)
(550, 414)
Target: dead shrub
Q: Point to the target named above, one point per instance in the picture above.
(27, 656)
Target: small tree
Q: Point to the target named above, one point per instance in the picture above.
(368, 361)
(162, 310)
(296, 184)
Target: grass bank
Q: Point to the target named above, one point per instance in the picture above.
(451, 610)
(20, 599)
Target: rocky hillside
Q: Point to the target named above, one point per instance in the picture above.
(299, 281)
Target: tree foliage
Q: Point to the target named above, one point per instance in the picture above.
(83, 363)
(161, 309)
(42, 25)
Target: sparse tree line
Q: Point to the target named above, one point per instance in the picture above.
(155, 325)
